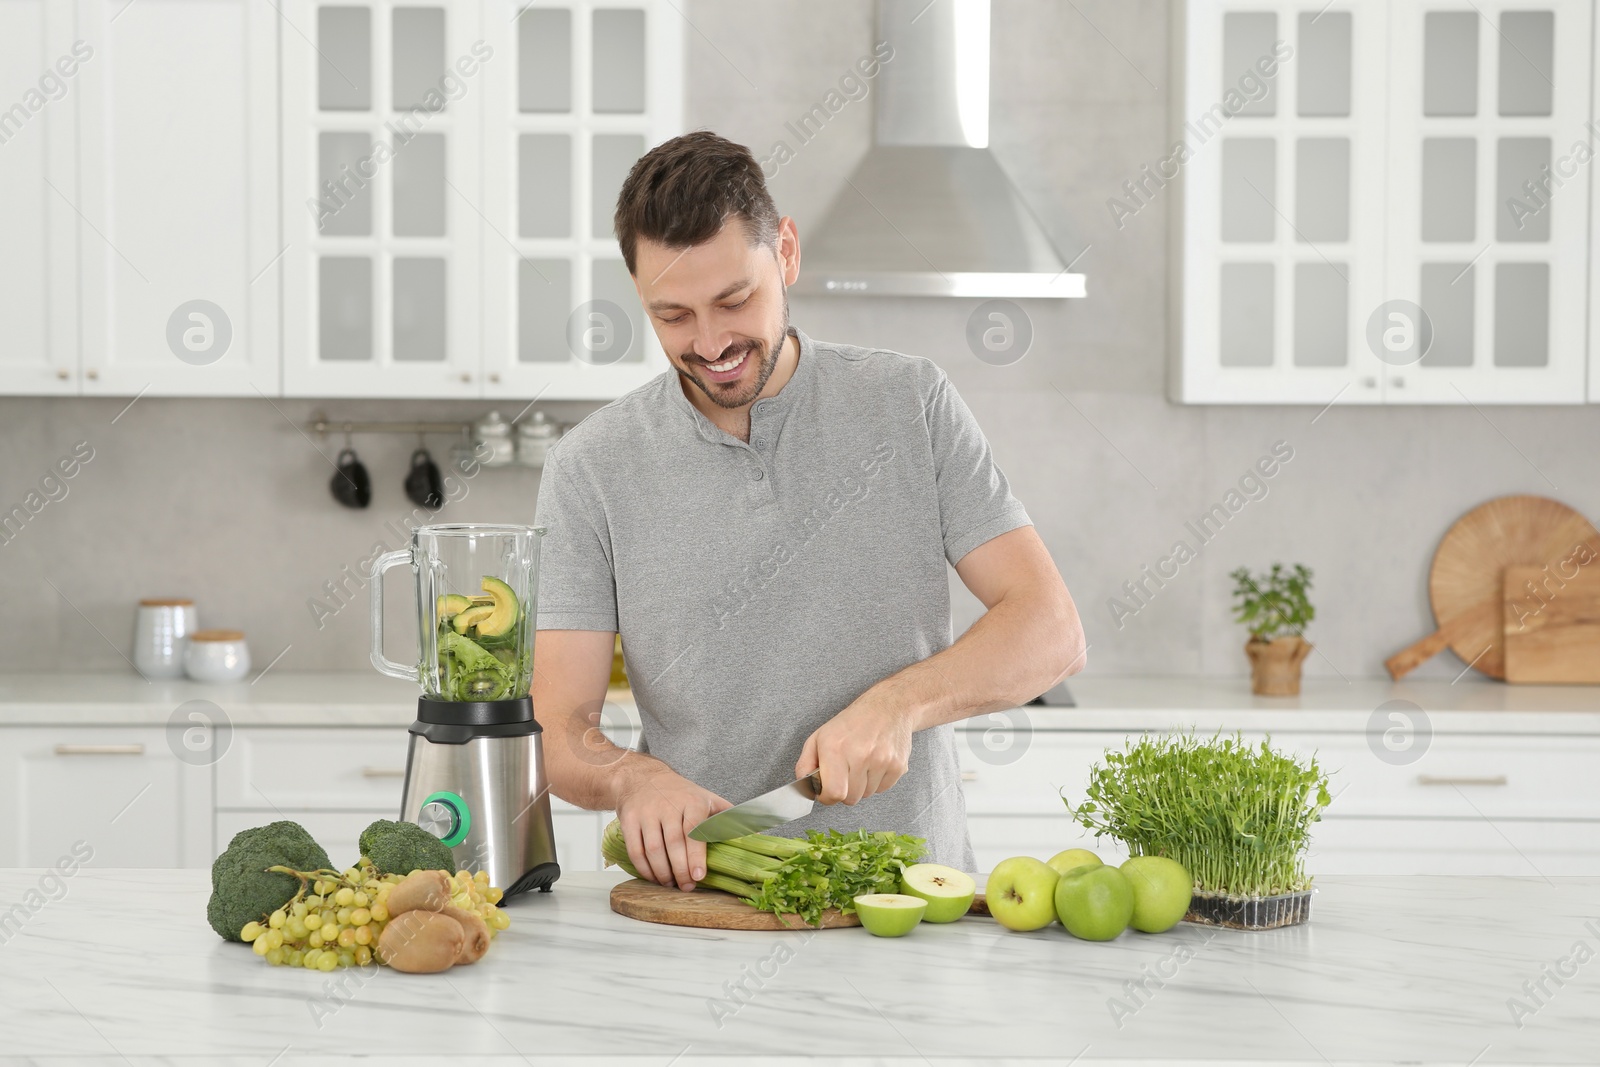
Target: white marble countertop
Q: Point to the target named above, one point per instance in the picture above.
(122, 968)
(365, 698)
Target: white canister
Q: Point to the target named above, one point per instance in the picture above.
(160, 632)
(535, 435)
(216, 656)
(491, 438)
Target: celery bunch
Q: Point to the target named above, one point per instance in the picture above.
(789, 876)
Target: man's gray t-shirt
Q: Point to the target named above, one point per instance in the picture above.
(760, 588)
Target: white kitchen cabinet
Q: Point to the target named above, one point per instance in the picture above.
(577, 836)
(998, 837)
(301, 768)
(1471, 804)
(1589, 183)
(120, 790)
(1280, 219)
(1465, 846)
(336, 780)
(1348, 164)
(205, 165)
(578, 91)
(463, 247)
(382, 186)
(38, 230)
(1488, 105)
(176, 198)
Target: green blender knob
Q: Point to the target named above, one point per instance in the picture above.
(445, 816)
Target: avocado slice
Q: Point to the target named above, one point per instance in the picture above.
(471, 617)
(453, 604)
(503, 615)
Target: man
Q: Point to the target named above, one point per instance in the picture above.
(767, 525)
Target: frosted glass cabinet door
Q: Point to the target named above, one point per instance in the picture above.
(1386, 201)
(38, 230)
(1281, 222)
(178, 146)
(578, 91)
(381, 178)
(1488, 219)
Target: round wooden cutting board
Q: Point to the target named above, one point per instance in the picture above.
(707, 909)
(1465, 582)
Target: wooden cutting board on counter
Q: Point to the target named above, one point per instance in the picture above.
(1466, 582)
(706, 909)
(1552, 624)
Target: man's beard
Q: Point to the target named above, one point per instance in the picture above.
(765, 355)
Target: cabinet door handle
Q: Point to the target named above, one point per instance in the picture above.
(1494, 779)
(383, 772)
(100, 750)
(969, 776)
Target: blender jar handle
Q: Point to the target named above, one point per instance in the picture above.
(379, 660)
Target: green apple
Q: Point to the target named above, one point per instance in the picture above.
(1094, 903)
(1161, 891)
(949, 892)
(889, 914)
(1063, 862)
(1020, 893)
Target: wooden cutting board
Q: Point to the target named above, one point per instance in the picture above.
(706, 909)
(711, 910)
(1466, 582)
(1552, 623)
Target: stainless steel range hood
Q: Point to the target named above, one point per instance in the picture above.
(930, 212)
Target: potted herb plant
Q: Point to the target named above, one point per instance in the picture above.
(1237, 815)
(1275, 608)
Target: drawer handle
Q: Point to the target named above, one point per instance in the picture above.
(383, 772)
(100, 750)
(969, 776)
(1428, 779)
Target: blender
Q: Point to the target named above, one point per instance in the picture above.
(475, 768)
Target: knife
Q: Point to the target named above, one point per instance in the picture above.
(774, 808)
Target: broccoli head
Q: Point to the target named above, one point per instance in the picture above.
(243, 890)
(403, 847)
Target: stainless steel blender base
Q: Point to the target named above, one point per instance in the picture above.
(488, 799)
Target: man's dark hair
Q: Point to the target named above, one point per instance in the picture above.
(682, 191)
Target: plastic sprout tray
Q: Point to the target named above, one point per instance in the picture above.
(1250, 913)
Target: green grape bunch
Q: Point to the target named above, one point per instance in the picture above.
(337, 917)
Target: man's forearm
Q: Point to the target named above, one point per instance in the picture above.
(1022, 646)
(584, 767)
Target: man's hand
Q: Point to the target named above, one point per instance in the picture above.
(657, 808)
(861, 751)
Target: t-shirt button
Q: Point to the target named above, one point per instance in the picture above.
(758, 474)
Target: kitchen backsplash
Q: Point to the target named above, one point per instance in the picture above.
(227, 500)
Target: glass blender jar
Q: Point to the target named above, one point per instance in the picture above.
(475, 769)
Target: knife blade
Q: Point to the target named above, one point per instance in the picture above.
(772, 808)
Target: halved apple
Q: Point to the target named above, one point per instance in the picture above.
(949, 892)
(890, 914)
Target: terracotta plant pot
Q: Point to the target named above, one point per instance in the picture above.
(1275, 665)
